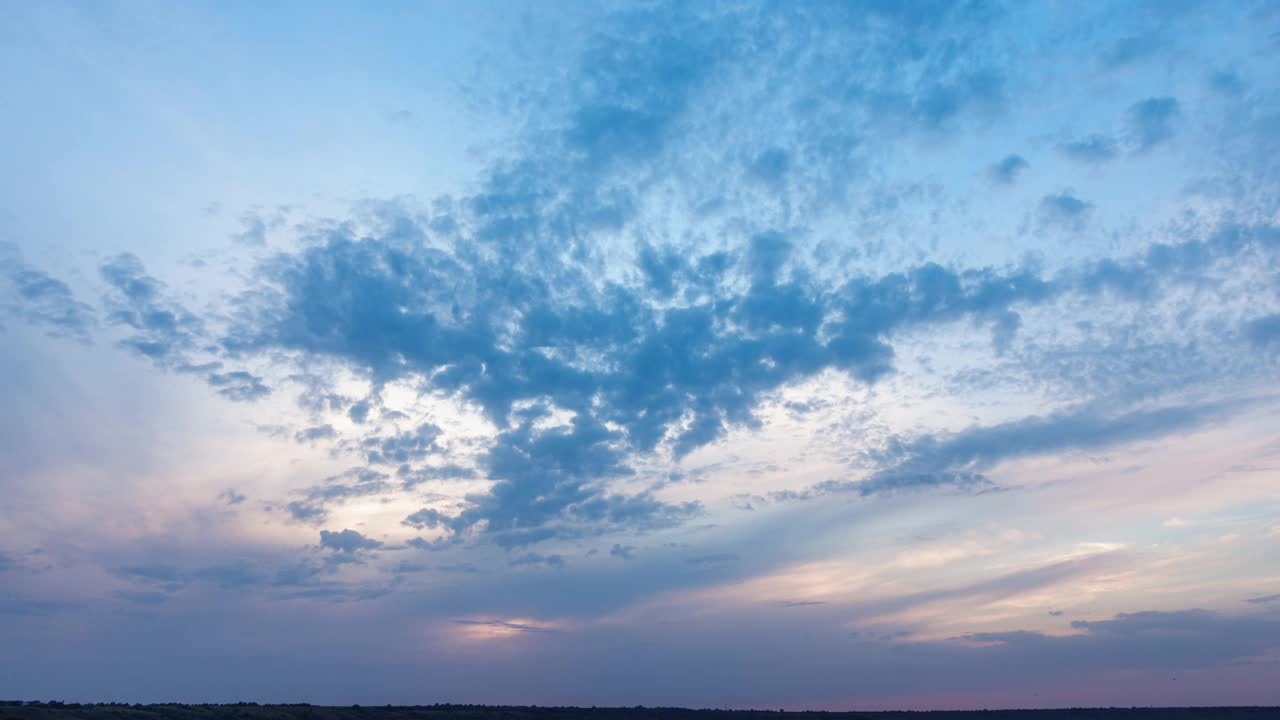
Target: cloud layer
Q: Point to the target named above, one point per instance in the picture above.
(900, 334)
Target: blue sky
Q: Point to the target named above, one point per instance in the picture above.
(813, 355)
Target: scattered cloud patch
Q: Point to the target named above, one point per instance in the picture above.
(347, 541)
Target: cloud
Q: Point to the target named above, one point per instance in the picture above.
(1153, 120)
(501, 299)
(505, 625)
(43, 300)
(347, 541)
(253, 232)
(1127, 50)
(626, 552)
(164, 331)
(960, 459)
(1064, 210)
(238, 385)
(1264, 331)
(233, 575)
(537, 559)
(1263, 599)
(1178, 640)
(307, 512)
(426, 518)
(317, 432)
(1007, 170)
(403, 447)
(713, 559)
(771, 166)
(1227, 82)
(1094, 149)
(658, 375)
(12, 603)
(231, 497)
(352, 483)
(411, 477)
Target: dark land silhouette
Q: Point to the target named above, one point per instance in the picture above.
(14, 710)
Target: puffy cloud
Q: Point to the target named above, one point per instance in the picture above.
(347, 541)
(426, 518)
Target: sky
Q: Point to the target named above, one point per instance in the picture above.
(743, 354)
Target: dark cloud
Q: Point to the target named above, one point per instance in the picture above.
(626, 552)
(347, 541)
(1264, 599)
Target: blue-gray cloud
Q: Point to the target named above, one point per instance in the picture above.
(1130, 49)
(231, 497)
(1093, 149)
(347, 541)
(1007, 170)
(42, 299)
(1153, 120)
(1065, 210)
(163, 329)
(534, 559)
(960, 459)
